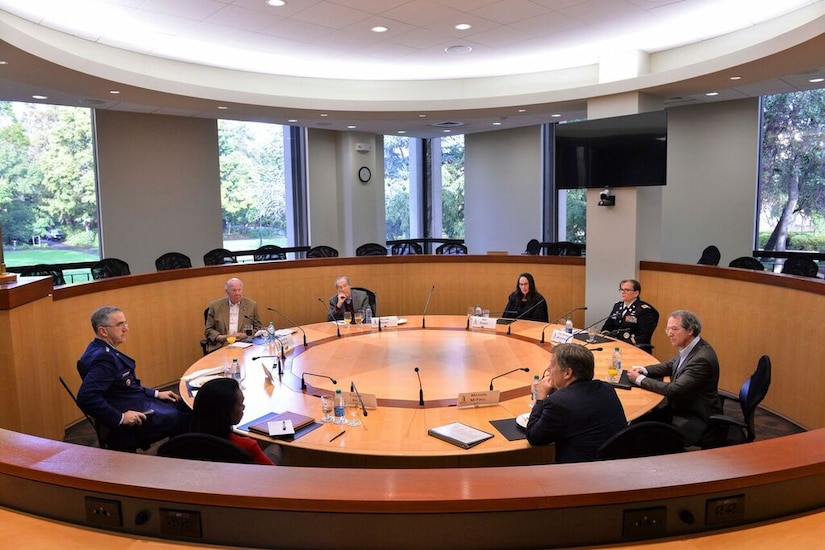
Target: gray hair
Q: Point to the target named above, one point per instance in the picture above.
(100, 317)
(689, 321)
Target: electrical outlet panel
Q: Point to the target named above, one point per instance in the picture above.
(101, 511)
(724, 510)
(644, 522)
(180, 523)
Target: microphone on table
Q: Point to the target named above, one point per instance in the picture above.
(427, 305)
(296, 325)
(523, 313)
(304, 383)
(596, 349)
(352, 388)
(337, 327)
(582, 308)
(280, 372)
(420, 389)
(525, 369)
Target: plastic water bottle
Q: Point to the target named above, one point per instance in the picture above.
(568, 326)
(534, 390)
(478, 310)
(338, 407)
(270, 332)
(236, 369)
(615, 370)
(368, 316)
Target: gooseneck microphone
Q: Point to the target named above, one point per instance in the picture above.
(337, 326)
(420, 389)
(427, 305)
(525, 369)
(525, 312)
(278, 357)
(354, 390)
(304, 383)
(296, 325)
(581, 308)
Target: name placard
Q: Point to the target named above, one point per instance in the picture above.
(561, 336)
(477, 399)
(483, 322)
(369, 399)
(388, 321)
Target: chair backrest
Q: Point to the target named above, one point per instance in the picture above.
(44, 270)
(563, 248)
(753, 391)
(322, 251)
(173, 260)
(371, 297)
(533, 247)
(799, 265)
(642, 439)
(405, 248)
(100, 431)
(219, 256)
(710, 256)
(206, 447)
(203, 340)
(747, 262)
(371, 249)
(451, 248)
(110, 267)
(268, 252)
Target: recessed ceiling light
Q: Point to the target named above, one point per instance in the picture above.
(736, 78)
(379, 28)
(324, 114)
(222, 107)
(114, 92)
(463, 26)
(422, 115)
(40, 97)
(816, 80)
(556, 115)
(522, 110)
(402, 131)
(276, 3)
(458, 49)
(292, 120)
(496, 123)
(711, 94)
(2, 62)
(352, 127)
(446, 131)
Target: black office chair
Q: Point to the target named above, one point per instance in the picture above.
(727, 430)
(371, 297)
(172, 260)
(747, 262)
(205, 447)
(371, 249)
(268, 252)
(322, 251)
(219, 256)
(642, 439)
(451, 248)
(799, 265)
(710, 256)
(110, 267)
(100, 430)
(405, 248)
(563, 248)
(44, 270)
(533, 247)
(203, 340)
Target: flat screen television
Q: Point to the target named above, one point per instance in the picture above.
(624, 151)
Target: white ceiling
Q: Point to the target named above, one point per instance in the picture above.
(529, 59)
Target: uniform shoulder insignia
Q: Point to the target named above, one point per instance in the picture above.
(645, 306)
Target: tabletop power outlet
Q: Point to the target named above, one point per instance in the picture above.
(645, 522)
(180, 523)
(100, 511)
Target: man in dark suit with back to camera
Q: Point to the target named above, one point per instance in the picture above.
(574, 411)
(693, 391)
(227, 316)
(111, 392)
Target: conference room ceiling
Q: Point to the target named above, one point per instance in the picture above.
(331, 39)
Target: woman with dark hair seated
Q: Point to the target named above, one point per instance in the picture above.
(525, 302)
(218, 407)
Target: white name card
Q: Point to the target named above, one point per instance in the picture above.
(561, 336)
(477, 398)
(483, 322)
(389, 321)
(369, 399)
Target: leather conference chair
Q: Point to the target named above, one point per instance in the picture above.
(219, 256)
(268, 252)
(405, 248)
(172, 260)
(563, 248)
(710, 256)
(203, 340)
(371, 249)
(371, 297)
(747, 262)
(727, 430)
(322, 251)
(110, 267)
(451, 248)
(44, 270)
(799, 265)
(642, 439)
(205, 447)
(533, 247)
(100, 431)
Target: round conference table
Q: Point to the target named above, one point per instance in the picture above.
(452, 359)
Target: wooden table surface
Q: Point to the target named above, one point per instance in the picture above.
(450, 359)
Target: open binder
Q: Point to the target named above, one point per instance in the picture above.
(459, 434)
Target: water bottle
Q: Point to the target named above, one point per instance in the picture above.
(615, 370)
(270, 333)
(338, 407)
(568, 326)
(236, 369)
(368, 316)
(478, 310)
(534, 390)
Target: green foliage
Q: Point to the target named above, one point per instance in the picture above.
(452, 187)
(576, 206)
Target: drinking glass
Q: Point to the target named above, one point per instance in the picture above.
(241, 375)
(591, 335)
(248, 330)
(485, 313)
(326, 407)
(612, 373)
(348, 317)
(230, 340)
(353, 408)
(359, 316)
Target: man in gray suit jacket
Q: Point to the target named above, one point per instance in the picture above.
(227, 316)
(693, 391)
(346, 299)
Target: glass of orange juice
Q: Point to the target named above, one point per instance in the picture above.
(230, 340)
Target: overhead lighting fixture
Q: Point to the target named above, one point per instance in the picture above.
(114, 92)
(556, 115)
(276, 3)
(736, 78)
(222, 107)
(3, 62)
(422, 115)
(379, 28)
(711, 94)
(292, 120)
(324, 114)
(40, 97)
(352, 127)
(522, 110)
(497, 123)
(463, 27)
(458, 49)
(816, 80)
(402, 131)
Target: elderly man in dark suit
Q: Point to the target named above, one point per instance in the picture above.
(227, 316)
(574, 411)
(346, 299)
(111, 393)
(693, 391)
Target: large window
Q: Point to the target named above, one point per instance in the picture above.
(253, 184)
(452, 187)
(48, 199)
(792, 172)
(397, 186)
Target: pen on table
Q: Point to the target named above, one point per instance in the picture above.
(337, 436)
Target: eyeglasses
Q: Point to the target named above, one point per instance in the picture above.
(672, 329)
(627, 290)
(120, 325)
